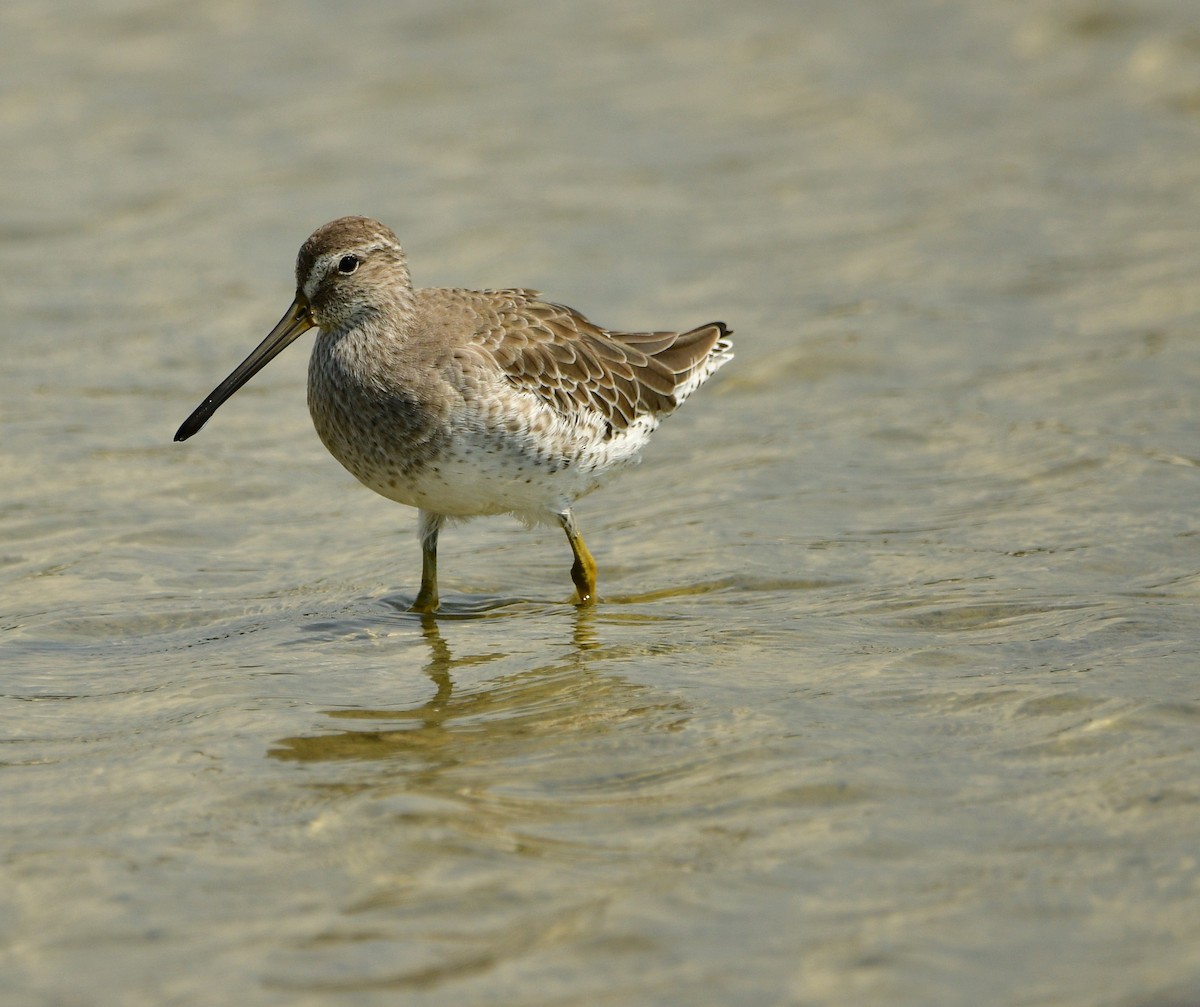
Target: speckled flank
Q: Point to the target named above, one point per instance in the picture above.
(469, 402)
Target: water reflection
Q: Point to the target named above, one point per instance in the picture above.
(569, 693)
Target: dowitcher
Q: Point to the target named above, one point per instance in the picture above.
(469, 402)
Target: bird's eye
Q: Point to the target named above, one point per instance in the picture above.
(347, 264)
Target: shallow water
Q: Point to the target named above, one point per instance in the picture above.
(892, 694)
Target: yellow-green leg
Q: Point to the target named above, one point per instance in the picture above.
(427, 597)
(583, 570)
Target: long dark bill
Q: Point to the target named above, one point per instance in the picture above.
(297, 320)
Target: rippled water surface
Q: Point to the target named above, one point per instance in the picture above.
(891, 697)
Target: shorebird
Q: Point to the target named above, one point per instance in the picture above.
(470, 402)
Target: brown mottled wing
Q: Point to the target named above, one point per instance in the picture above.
(577, 367)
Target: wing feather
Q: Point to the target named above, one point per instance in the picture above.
(582, 370)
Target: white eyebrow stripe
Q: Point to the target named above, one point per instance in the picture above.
(322, 266)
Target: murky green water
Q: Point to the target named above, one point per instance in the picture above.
(892, 697)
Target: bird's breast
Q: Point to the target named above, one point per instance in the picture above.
(378, 426)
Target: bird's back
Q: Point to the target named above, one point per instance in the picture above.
(581, 371)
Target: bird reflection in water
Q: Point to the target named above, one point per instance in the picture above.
(566, 694)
